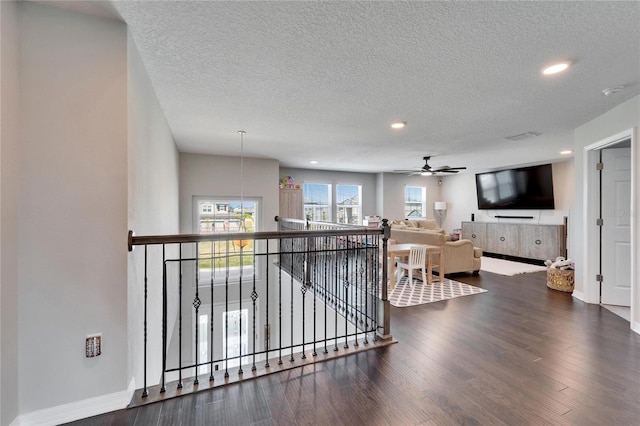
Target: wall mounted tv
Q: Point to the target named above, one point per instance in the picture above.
(521, 188)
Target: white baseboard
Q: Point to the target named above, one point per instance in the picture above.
(78, 410)
(635, 326)
(578, 295)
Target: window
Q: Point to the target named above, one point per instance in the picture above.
(316, 201)
(415, 201)
(217, 215)
(348, 204)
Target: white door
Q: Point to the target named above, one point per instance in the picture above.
(232, 335)
(616, 229)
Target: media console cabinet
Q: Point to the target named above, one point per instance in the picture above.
(538, 242)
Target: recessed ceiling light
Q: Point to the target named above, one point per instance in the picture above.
(314, 161)
(555, 68)
(426, 174)
(398, 124)
(566, 152)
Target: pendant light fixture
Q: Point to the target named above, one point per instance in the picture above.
(242, 133)
(243, 227)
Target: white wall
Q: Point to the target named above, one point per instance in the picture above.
(152, 210)
(9, 175)
(366, 180)
(459, 192)
(621, 118)
(72, 265)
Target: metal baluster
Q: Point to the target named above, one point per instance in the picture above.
(325, 283)
(164, 319)
(267, 334)
(240, 372)
(303, 289)
(368, 280)
(346, 297)
(180, 319)
(196, 305)
(254, 297)
(211, 378)
(357, 295)
(145, 393)
(226, 313)
(315, 294)
(280, 258)
(291, 304)
(336, 304)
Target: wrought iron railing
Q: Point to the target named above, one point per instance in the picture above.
(292, 293)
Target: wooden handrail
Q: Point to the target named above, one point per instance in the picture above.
(194, 238)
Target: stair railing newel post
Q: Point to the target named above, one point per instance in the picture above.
(385, 306)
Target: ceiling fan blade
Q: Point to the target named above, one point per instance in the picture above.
(440, 169)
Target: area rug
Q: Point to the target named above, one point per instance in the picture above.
(404, 295)
(508, 267)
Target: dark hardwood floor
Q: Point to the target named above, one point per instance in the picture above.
(519, 354)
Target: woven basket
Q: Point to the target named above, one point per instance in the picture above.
(561, 280)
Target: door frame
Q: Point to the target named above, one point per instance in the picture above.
(591, 208)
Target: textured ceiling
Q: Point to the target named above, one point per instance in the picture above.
(323, 80)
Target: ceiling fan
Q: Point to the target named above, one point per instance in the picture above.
(427, 170)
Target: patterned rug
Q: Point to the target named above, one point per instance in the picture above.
(404, 295)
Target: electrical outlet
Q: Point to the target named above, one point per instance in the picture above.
(93, 345)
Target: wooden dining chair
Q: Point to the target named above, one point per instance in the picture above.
(416, 260)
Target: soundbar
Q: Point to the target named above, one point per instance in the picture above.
(513, 217)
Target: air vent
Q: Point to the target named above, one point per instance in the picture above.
(523, 136)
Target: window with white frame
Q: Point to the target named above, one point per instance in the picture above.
(415, 201)
(317, 197)
(349, 204)
(226, 215)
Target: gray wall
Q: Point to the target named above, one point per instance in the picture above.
(9, 175)
(393, 193)
(152, 210)
(215, 175)
(72, 269)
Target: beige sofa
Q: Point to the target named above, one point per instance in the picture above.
(416, 224)
(459, 256)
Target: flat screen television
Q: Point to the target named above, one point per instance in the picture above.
(521, 188)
